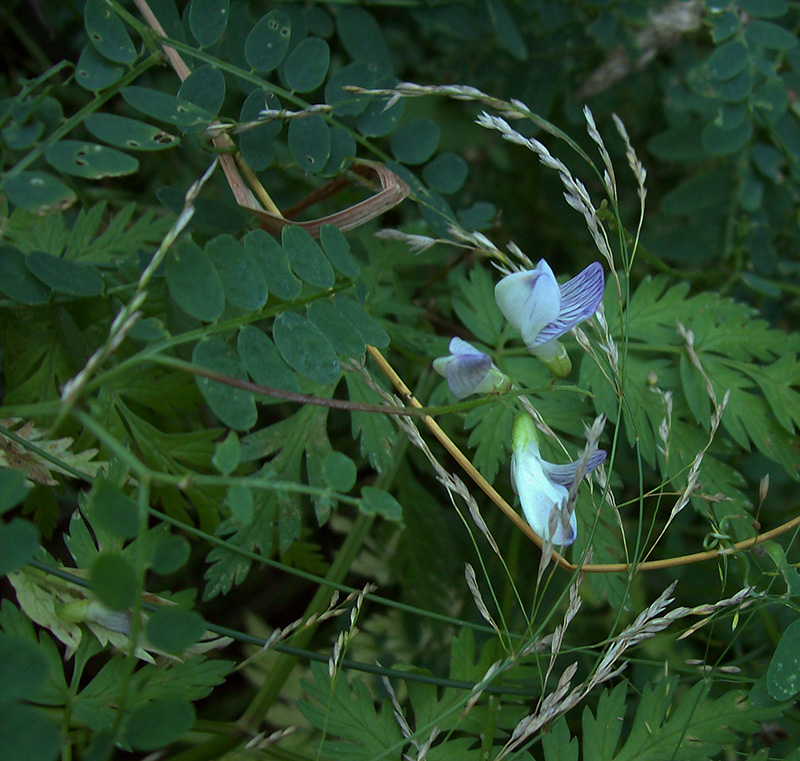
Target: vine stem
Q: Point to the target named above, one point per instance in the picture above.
(521, 524)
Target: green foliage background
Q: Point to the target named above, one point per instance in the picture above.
(170, 543)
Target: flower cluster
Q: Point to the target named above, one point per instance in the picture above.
(542, 311)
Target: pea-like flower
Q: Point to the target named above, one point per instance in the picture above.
(469, 371)
(544, 487)
(542, 310)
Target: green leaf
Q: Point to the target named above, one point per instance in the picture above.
(362, 38)
(263, 361)
(227, 453)
(241, 278)
(679, 143)
(475, 305)
(186, 116)
(728, 60)
(350, 714)
(208, 19)
(337, 329)
(339, 471)
(558, 744)
(89, 160)
(256, 144)
(601, 732)
(23, 669)
(39, 192)
(13, 488)
(274, 263)
(720, 141)
(233, 406)
(72, 278)
(113, 580)
(337, 249)
(366, 326)
(491, 436)
(204, 87)
(305, 348)
(309, 143)
(27, 734)
(764, 8)
(416, 141)
(506, 29)
(16, 280)
(376, 433)
(107, 32)
(114, 511)
(94, 72)
(171, 555)
(240, 501)
(193, 282)
(345, 103)
(268, 41)
(157, 724)
(129, 133)
(19, 541)
(446, 173)
(770, 35)
(701, 191)
(379, 502)
(380, 118)
(783, 673)
(173, 630)
(306, 257)
(307, 65)
(343, 151)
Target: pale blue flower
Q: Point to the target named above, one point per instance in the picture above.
(469, 371)
(542, 310)
(543, 487)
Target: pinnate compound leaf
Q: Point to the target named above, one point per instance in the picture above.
(367, 327)
(256, 143)
(268, 41)
(208, 19)
(337, 329)
(235, 407)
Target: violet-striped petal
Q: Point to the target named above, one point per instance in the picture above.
(580, 298)
(564, 475)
